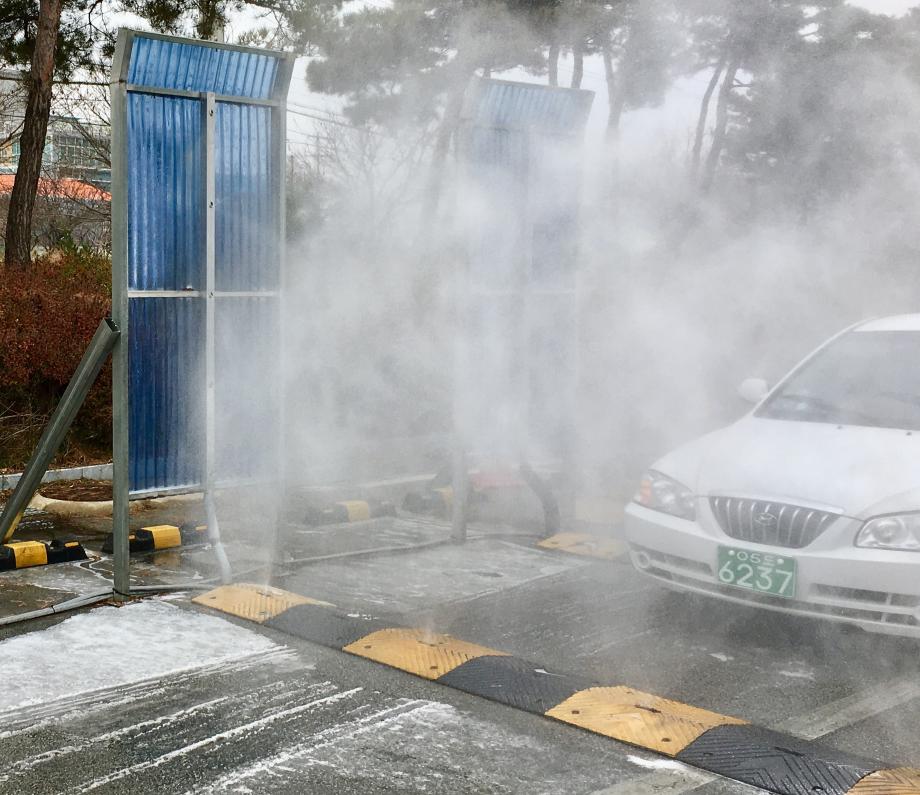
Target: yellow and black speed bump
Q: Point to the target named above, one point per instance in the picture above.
(776, 762)
(320, 625)
(724, 745)
(23, 554)
(584, 544)
(350, 511)
(896, 781)
(514, 682)
(161, 536)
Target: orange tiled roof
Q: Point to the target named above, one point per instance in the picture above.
(65, 188)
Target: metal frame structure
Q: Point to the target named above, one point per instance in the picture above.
(122, 292)
(506, 131)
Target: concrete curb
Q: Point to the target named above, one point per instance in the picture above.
(95, 472)
(103, 508)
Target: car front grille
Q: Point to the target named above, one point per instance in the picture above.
(773, 523)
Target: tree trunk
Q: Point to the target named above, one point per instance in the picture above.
(578, 69)
(718, 134)
(616, 94)
(210, 20)
(18, 252)
(440, 150)
(704, 113)
(552, 60)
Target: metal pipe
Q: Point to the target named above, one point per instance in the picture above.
(121, 480)
(83, 379)
(460, 482)
(226, 572)
(62, 607)
(279, 191)
(439, 542)
(209, 109)
(551, 517)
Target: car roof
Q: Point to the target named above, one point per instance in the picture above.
(893, 323)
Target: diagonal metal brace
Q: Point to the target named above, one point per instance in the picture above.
(98, 351)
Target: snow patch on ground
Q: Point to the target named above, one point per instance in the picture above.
(419, 745)
(657, 764)
(721, 657)
(109, 647)
(801, 674)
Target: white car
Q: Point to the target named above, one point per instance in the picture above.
(810, 504)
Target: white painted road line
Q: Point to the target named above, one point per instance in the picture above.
(852, 709)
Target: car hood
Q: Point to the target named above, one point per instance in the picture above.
(847, 469)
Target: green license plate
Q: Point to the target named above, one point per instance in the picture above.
(763, 572)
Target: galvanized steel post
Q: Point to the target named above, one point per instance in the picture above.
(85, 376)
(279, 187)
(207, 127)
(210, 335)
(120, 372)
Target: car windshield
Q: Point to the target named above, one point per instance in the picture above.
(863, 378)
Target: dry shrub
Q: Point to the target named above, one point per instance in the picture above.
(48, 314)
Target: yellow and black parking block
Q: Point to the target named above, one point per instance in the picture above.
(436, 502)
(193, 533)
(159, 537)
(439, 501)
(23, 554)
(721, 744)
(350, 511)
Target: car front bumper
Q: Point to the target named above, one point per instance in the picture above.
(878, 590)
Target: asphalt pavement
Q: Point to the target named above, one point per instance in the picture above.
(273, 713)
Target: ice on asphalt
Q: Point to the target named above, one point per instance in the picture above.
(112, 646)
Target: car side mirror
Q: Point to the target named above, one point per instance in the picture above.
(753, 390)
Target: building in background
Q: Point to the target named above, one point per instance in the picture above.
(73, 191)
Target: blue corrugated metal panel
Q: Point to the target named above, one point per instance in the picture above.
(517, 106)
(165, 193)
(248, 387)
(496, 168)
(518, 144)
(246, 225)
(497, 148)
(166, 251)
(166, 388)
(197, 67)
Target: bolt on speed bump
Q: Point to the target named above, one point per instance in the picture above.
(584, 544)
(720, 744)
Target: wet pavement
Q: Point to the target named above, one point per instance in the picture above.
(295, 717)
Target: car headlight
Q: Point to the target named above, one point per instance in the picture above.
(900, 531)
(661, 493)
